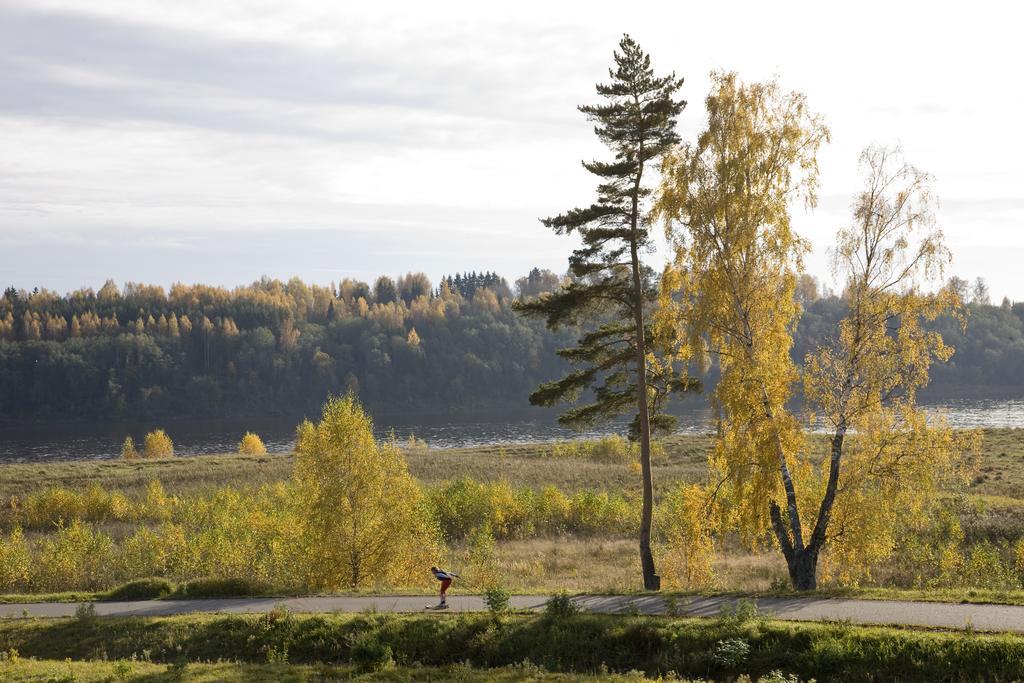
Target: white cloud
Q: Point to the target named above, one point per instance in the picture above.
(453, 124)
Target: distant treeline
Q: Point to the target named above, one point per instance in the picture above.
(279, 348)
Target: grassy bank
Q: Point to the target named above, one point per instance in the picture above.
(24, 671)
(575, 643)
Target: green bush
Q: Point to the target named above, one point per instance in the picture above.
(85, 614)
(141, 589)
(368, 653)
(581, 643)
(561, 606)
(497, 599)
(213, 587)
(731, 653)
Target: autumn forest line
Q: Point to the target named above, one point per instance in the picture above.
(142, 351)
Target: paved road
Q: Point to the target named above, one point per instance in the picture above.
(932, 614)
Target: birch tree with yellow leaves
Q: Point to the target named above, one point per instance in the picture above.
(729, 296)
(363, 516)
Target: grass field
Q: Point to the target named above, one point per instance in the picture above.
(512, 647)
(599, 564)
(522, 464)
(1000, 472)
(50, 671)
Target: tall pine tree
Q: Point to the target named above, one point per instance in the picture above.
(611, 287)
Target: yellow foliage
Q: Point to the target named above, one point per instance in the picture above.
(730, 294)
(157, 505)
(251, 444)
(15, 563)
(150, 552)
(689, 550)
(128, 451)
(76, 557)
(158, 445)
(362, 517)
(482, 562)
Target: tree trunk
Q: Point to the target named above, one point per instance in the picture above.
(803, 570)
(652, 581)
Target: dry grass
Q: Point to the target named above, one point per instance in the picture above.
(571, 564)
(521, 464)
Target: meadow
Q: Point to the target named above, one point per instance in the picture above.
(559, 516)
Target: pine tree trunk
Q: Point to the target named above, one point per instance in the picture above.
(652, 581)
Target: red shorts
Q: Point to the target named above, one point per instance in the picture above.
(444, 584)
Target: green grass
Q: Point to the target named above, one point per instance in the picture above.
(231, 672)
(590, 644)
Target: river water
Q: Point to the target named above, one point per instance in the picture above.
(83, 440)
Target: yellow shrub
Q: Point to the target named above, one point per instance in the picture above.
(50, 506)
(157, 505)
(251, 444)
(158, 445)
(128, 451)
(77, 557)
(482, 562)
(15, 563)
(985, 568)
(142, 554)
(686, 561)
(552, 510)
(100, 506)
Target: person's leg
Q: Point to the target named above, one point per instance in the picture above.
(444, 589)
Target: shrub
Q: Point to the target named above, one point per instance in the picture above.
(483, 565)
(85, 614)
(497, 598)
(413, 444)
(214, 587)
(251, 444)
(151, 552)
(52, 505)
(369, 654)
(731, 653)
(158, 445)
(128, 451)
(689, 549)
(561, 606)
(985, 568)
(77, 557)
(739, 613)
(157, 505)
(141, 589)
(15, 562)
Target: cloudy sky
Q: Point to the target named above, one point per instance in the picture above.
(220, 141)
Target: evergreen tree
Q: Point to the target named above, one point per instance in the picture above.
(384, 290)
(611, 287)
